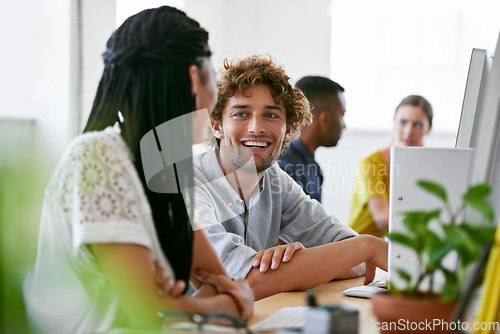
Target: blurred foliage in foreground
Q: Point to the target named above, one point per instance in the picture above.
(22, 182)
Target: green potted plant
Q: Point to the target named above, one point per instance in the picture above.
(414, 305)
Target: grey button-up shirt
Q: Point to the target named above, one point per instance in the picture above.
(279, 209)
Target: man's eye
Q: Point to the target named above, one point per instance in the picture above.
(240, 114)
(402, 122)
(272, 115)
(417, 125)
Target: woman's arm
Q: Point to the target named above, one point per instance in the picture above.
(379, 208)
(131, 273)
(204, 258)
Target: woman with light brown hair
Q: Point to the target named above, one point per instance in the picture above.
(370, 199)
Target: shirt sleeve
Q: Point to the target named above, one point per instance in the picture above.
(234, 254)
(230, 247)
(305, 220)
(108, 203)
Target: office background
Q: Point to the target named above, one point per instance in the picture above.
(379, 51)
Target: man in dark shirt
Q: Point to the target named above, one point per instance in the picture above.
(327, 99)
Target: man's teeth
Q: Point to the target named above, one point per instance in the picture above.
(255, 143)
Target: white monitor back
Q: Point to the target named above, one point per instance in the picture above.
(447, 166)
(486, 162)
(477, 77)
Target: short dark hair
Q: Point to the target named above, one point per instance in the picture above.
(317, 87)
(417, 101)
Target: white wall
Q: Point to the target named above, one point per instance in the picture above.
(98, 23)
(40, 66)
(296, 33)
(35, 61)
(385, 50)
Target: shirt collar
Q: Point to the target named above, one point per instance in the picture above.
(216, 177)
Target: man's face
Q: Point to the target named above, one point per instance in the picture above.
(334, 122)
(252, 131)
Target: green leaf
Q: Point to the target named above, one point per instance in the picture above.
(462, 242)
(404, 239)
(432, 242)
(451, 287)
(417, 221)
(481, 234)
(404, 275)
(449, 276)
(476, 192)
(449, 293)
(437, 256)
(483, 207)
(434, 248)
(434, 188)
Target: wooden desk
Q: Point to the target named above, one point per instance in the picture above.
(329, 293)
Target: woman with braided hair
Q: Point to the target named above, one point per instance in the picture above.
(116, 244)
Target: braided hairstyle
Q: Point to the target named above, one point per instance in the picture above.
(146, 79)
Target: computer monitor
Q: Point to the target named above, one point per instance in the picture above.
(485, 164)
(475, 87)
(475, 159)
(484, 167)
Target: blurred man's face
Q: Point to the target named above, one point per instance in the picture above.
(334, 105)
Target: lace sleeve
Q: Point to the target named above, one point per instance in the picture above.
(101, 192)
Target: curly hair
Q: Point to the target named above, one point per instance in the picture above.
(239, 74)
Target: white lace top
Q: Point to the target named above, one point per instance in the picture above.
(94, 196)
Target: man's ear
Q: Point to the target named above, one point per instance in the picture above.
(216, 129)
(194, 76)
(323, 118)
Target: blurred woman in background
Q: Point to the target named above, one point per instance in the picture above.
(370, 200)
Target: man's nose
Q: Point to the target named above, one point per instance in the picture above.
(256, 125)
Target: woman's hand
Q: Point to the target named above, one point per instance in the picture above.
(272, 257)
(236, 286)
(166, 285)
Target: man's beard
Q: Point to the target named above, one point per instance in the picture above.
(243, 159)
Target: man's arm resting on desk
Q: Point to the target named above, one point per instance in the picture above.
(317, 265)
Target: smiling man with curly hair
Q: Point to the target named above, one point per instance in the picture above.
(256, 216)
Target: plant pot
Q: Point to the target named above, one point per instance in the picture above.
(412, 314)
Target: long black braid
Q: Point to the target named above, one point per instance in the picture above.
(146, 78)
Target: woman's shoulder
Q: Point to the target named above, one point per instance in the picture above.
(91, 153)
(375, 156)
(102, 143)
(97, 168)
